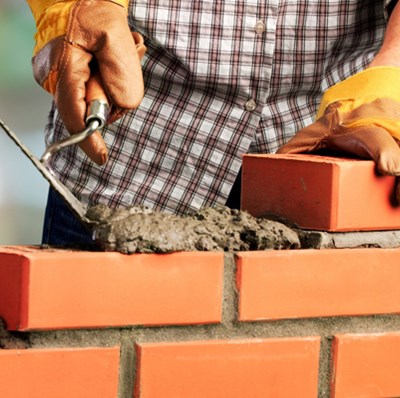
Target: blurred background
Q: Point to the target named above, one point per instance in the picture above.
(23, 107)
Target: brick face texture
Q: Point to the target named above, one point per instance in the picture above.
(59, 289)
(235, 368)
(366, 365)
(318, 283)
(69, 373)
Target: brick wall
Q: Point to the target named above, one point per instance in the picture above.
(299, 323)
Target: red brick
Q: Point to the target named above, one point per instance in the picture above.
(55, 289)
(235, 368)
(366, 366)
(69, 373)
(320, 193)
(317, 283)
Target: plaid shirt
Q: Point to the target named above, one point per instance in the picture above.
(223, 78)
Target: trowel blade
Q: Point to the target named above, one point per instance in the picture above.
(77, 208)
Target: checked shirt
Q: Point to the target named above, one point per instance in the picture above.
(223, 78)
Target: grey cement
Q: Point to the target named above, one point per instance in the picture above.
(142, 230)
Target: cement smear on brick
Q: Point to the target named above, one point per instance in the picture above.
(142, 230)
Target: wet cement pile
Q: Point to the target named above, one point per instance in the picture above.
(142, 230)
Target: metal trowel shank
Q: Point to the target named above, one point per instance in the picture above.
(77, 208)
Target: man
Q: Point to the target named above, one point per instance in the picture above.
(220, 79)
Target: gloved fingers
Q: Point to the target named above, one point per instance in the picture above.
(139, 43)
(70, 98)
(116, 113)
(71, 89)
(311, 138)
(388, 162)
(95, 148)
(369, 142)
(116, 109)
(99, 30)
(121, 69)
(347, 134)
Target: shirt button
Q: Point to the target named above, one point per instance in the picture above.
(250, 105)
(260, 27)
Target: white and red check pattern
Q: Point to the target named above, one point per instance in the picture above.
(222, 78)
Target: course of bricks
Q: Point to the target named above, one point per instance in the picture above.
(299, 323)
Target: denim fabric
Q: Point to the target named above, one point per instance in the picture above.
(62, 229)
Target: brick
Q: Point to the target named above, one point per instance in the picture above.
(280, 367)
(69, 373)
(366, 366)
(321, 193)
(318, 283)
(56, 289)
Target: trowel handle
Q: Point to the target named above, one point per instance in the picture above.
(96, 117)
(97, 102)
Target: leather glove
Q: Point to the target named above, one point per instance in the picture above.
(73, 38)
(359, 117)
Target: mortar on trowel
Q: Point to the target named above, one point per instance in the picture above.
(139, 229)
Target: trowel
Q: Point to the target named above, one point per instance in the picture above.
(97, 112)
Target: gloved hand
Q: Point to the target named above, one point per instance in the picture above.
(359, 116)
(74, 37)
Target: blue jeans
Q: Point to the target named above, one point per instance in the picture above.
(62, 229)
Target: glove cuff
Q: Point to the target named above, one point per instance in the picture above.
(364, 87)
(52, 17)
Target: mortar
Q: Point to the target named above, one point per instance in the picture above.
(139, 229)
(142, 230)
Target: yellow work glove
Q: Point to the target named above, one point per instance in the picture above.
(358, 117)
(73, 39)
